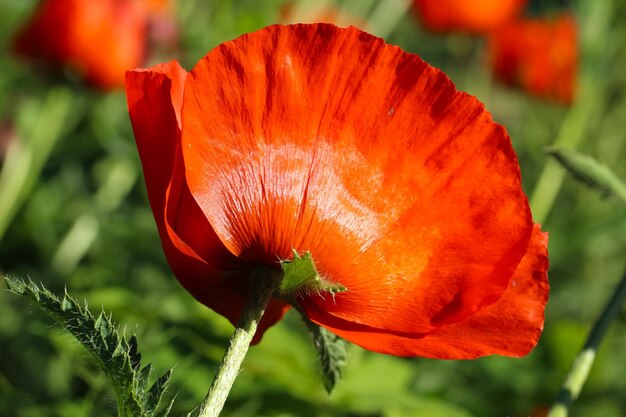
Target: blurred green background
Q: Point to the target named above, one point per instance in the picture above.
(74, 212)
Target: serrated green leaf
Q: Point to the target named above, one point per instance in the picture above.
(16, 286)
(144, 376)
(332, 352)
(118, 357)
(590, 172)
(133, 353)
(167, 410)
(65, 303)
(158, 388)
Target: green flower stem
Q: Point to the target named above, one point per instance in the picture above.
(582, 364)
(265, 285)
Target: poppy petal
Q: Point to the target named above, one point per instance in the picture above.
(190, 245)
(327, 140)
(510, 327)
(154, 97)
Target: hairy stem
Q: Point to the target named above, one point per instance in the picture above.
(238, 346)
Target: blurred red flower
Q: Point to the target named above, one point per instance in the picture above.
(100, 39)
(476, 17)
(328, 140)
(540, 55)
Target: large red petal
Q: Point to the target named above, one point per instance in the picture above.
(328, 140)
(510, 327)
(195, 254)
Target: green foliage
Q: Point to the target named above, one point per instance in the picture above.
(118, 357)
(332, 352)
(590, 172)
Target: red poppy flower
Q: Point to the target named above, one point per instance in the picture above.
(100, 39)
(540, 55)
(328, 140)
(478, 16)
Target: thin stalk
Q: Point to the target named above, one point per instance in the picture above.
(239, 343)
(582, 364)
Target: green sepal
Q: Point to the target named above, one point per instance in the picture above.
(301, 275)
(118, 356)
